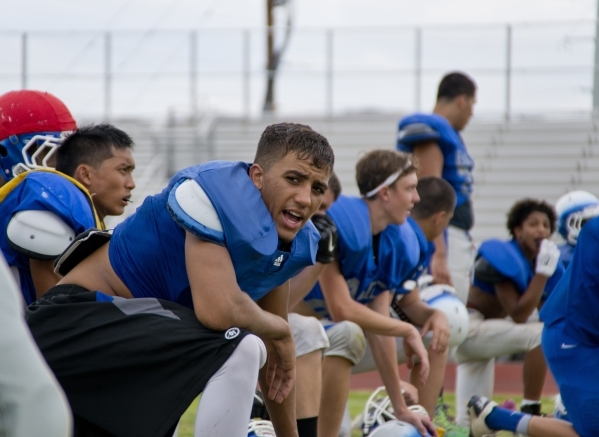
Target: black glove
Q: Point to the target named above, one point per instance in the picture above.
(328, 238)
(259, 407)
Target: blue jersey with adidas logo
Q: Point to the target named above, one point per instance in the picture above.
(147, 250)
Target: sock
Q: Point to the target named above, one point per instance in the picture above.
(501, 418)
(529, 402)
(307, 427)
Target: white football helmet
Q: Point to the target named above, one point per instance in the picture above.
(261, 428)
(396, 428)
(443, 298)
(378, 411)
(573, 210)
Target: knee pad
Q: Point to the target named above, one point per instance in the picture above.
(347, 340)
(254, 347)
(308, 334)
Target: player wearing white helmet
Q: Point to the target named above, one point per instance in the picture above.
(511, 278)
(573, 210)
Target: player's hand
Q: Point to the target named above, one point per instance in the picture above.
(410, 393)
(547, 258)
(413, 346)
(440, 270)
(280, 371)
(423, 424)
(439, 325)
(328, 238)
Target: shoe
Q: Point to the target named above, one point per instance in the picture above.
(446, 421)
(479, 408)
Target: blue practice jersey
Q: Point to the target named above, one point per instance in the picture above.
(147, 251)
(365, 278)
(566, 252)
(507, 259)
(575, 299)
(42, 191)
(414, 251)
(457, 163)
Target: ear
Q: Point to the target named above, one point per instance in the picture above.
(83, 174)
(438, 217)
(257, 175)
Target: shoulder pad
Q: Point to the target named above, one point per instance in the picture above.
(191, 208)
(485, 272)
(83, 246)
(39, 234)
(417, 132)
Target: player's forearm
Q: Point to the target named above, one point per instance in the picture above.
(282, 415)
(384, 352)
(418, 312)
(530, 299)
(302, 283)
(242, 312)
(371, 321)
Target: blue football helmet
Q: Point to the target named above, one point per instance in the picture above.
(32, 126)
(574, 209)
(261, 428)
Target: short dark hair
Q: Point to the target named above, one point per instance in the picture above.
(525, 207)
(279, 139)
(436, 194)
(90, 145)
(377, 165)
(455, 84)
(335, 185)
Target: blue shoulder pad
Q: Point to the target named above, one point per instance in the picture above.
(191, 209)
(416, 133)
(508, 261)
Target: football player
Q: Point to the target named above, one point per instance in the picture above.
(436, 141)
(355, 289)
(511, 278)
(574, 209)
(42, 209)
(189, 294)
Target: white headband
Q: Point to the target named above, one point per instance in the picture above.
(390, 180)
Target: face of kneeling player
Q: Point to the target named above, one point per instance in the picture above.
(533, 230)
(402, 197)
(292, 190)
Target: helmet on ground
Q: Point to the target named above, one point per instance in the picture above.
(573, 210)
(32, 125)
(261, 428)
(443, 298)
(378, 411)
(396, 428)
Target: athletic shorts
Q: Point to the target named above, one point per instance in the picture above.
(129, 367)
(574, 367)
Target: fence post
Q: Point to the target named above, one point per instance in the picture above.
(24, 60)
(508, 73)
(329, 73)
(417, 68)
(246, 73)
(193, 75)
(107, 76)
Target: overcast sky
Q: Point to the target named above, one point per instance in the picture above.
(177, 14)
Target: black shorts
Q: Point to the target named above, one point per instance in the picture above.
(129, 367)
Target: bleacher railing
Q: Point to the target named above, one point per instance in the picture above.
(521, 69)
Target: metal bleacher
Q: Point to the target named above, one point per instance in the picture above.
(540, 158)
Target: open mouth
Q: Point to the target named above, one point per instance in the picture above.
(292, 218)
(127, 200)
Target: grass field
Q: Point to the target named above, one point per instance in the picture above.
(357, 399)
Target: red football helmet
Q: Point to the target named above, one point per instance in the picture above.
(32, 125)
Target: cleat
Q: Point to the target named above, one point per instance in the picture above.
(445, 421)
(479, 408)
